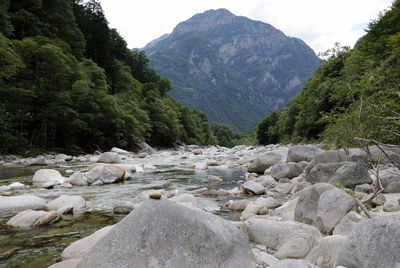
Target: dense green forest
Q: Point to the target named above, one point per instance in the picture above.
(68, 81)
(354, 97)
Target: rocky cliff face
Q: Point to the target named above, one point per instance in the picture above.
(234, 69)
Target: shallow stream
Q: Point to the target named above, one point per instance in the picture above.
(42, 247)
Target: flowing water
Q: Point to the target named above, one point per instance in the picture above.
(41, 247)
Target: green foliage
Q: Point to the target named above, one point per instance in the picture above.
(68, 81)
(355, 93)
(226, 137)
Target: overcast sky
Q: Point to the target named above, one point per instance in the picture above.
(320, 23)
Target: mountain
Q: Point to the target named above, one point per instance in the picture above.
(234, 69)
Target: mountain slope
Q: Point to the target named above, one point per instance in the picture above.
(234, 69)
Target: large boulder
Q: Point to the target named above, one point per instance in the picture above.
(109, 157)
(167, 234)
(286, 170)
(78, 179)
(298, 153)
(323, 172)
(80, 248)
(32, 218)
(351, 174)
(264, 161)
(347, 222)
(373, 243)
(391, 181)
(106, 173)
(275, 234)
(75, 202)
(323, 205)
(324, 254)
(21, 202)
(43, 176)
(325, 157)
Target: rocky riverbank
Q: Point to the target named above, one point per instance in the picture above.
(293, 206)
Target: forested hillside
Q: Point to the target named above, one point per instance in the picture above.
(353, 97)
(69, 81)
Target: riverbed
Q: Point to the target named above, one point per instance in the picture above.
(172, 171)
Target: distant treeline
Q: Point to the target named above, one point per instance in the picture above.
(353, 97)
(69, 81)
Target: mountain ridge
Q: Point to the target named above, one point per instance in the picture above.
(234, 69)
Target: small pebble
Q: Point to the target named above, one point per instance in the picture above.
(155, 196)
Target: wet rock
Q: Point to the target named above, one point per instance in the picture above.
(62, 158)
(324, 254)
(32, 218)
(372, 243)
(21, 202)
(123, 207)
(351, 174)
(212, 178)
(238, 205)
(109, 157)
(17, 186)
(75, 201)
(78, 179)
(180, 237)
(323, 205)
(81, 247)
(201, 166)
(106, 173)
(286, 170)
(142, 155)
(120, 151)
(42, 176)
(299, 153)
(252, 187)
(155, 196)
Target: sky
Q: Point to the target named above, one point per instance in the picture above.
(320, 23)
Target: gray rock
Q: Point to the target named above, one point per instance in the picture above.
(391, 206)
(391, 181)
(262, 162)
(109, 157)
(77, 179)
(373, 243)
(290, 263)
(166, 234)
(351, 174)
(42, 176)
(32, 218)
(123, 207)
(16, 186)
(80, 248)
(48, 185)
(106, 173)
(264, 258)
(364, 188)
(187, 198)
(286, 170)
(252, 187)
(323, 205)
(21, 202)
(201, 166)
(296, 248)
(5, 188)
(357, 155)
(75, 201)
(325, 157)
(324, 254)
(120, 151)
(62, 158)
(323, 172)
(268, 202)
(274, 234)
(284, 188)
(238, 205)
(298, 153)
(346, 223)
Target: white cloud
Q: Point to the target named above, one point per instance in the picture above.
(320, 23)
